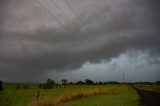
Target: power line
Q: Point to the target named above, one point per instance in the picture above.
(51, 14)
(74, 12)
(68, 18)
(82, 23)
(93, 54)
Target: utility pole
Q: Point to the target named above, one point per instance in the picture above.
(123, 77)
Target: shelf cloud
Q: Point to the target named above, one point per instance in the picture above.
(39, 37)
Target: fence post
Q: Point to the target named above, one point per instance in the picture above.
(38, 94)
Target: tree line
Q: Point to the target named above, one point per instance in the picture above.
(49, 84)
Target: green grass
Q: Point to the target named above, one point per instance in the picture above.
(127, 98)
(23, 97)
(153, 87)
(12, 97)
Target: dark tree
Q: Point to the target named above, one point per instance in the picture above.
(89, 82)
(49, 84)
(40, 86)
(70, 83)
(64, 82)
(25, 86)
(18, 87)
(1, 85)
(80, 83)
(158, 82)
(100, 83)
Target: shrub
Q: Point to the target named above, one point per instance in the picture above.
(80, 83)
(1, 85)
(89, 82)
(18, 87)
(48, 85)
(25, 86)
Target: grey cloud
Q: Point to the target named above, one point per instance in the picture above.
(134, 64)
(34, 43)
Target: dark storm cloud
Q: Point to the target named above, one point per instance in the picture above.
(32, 42)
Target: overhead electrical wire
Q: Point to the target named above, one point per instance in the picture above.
(69, 20)
(82, 23)
(51, 14)
(94, 47)
(75, 26)
(65, 27)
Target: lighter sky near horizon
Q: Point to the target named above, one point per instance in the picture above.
(79, 39)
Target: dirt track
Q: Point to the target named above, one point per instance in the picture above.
(148, 98)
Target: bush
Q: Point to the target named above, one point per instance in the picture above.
(64, 82)
(1, 85)
(89, 82)
(26, 87)
(158, 82)
(18, 87)
(48, 85)
(80, 83)
(40, 86)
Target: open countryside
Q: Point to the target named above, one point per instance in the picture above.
(79, 52)
(75, 94)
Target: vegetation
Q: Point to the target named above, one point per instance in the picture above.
(28, 96)
(80, 83)
(1, 85)
(127, 98)
(48, 85)
(150, 87)
(76, 92)
(89, 82)
(64, 82)
(87, 93)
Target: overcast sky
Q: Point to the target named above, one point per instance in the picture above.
(79, 39)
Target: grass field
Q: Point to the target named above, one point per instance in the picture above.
(72, 95)
(149, 87)
(127, 98)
